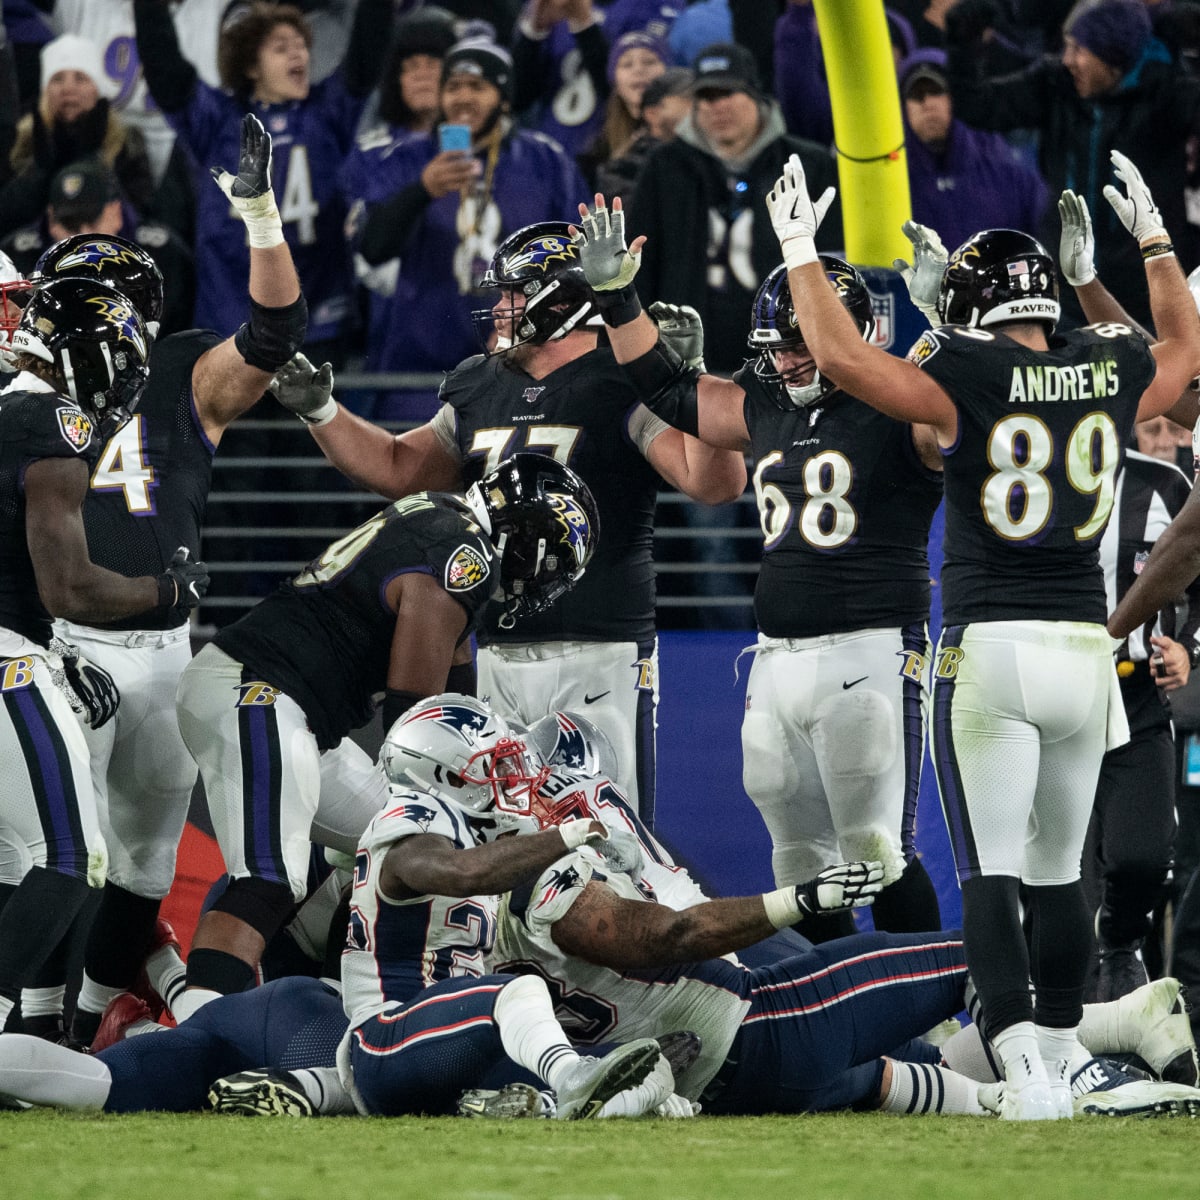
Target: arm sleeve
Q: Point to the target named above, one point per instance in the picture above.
(529, 67)
(370, 37)
(593, 50)
(170, 78)
(389, 224)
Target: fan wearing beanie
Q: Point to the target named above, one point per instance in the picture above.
(71, 121)
(1104, 40)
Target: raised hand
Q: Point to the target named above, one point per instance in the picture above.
(250, 191)
(795, 216)
(924, 277)
(608, 264)
(1137, 210)
(1077, 246)
(305, 390)
(680, 325)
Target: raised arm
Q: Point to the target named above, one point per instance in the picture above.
(892, 385)
(170, 78)
(231, 377)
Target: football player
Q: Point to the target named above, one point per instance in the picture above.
(550, 385)
(1032, 425)
(833, 733)
(384, 610)
(80, 353)
(147, 495)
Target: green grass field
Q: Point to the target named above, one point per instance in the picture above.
(55, 1156)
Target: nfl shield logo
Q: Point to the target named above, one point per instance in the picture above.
(530, 394)
(1139, 561)
(883, 309)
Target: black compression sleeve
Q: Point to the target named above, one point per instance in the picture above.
(666, 386)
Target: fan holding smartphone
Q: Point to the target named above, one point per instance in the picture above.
(454, 138)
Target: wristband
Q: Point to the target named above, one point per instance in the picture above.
(782, 907)
(1157, 250)
(619, 307)
(259, 214)
(798, 252)
(322, 415)
(578, 832)
(168, 591)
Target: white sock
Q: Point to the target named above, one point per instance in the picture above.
(43, 1001)
(40, 1072)
(530, 1032)
(166, 972)
(1020, 1053)
(925, 1088)
(94, 997)
(968, 1053)
(1061, 1045)
(1100, 1029)
(189, 1001)
(324, 1088)
(654, 1090)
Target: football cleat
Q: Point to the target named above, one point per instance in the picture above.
(680, 1049)
(1100, 1087)
(513, 1102)
(593, 1081)
(1156, 1016)
(123, 1010)
(260, 1093)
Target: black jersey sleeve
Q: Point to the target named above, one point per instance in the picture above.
(51, 426)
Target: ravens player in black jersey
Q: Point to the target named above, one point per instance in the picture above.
(1032, 424)
(551, 385)
(833, 733)
(147, 496)
(383, 611)
(80, 352)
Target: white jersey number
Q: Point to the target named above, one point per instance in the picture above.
(827, 519)
(1017, 498)
(558, 441)
(123, 467)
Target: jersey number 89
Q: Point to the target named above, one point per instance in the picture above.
(1017, 498)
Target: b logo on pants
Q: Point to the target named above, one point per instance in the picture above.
(15, 673)
(257, 695)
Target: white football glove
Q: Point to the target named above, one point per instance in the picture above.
(924, 277)
(579, 832)
(795, 217)
(607, 264)
(836, 889)
(681, 327)
(622, 852)
(1077, 246)
(1138, 212)
(304, 390)
(677, 1108)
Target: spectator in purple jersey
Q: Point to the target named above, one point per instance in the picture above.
(85, 198)
(961, 178)
(635, 60)
(560, 56)
(442, 214)
(264, 59)
(71, 120)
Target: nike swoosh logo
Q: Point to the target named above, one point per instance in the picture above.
(847, 686)
(592, 699)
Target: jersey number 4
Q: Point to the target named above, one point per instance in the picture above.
(123, 468)
(1017, 498)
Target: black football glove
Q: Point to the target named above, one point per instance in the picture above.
(254, 163)
(182, 585)
(89, 689)
(848, 885)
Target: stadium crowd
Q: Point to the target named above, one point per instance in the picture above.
(613, 233)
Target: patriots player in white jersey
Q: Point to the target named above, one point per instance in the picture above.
(426, 1019)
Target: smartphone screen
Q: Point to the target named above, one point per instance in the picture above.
(454, 137)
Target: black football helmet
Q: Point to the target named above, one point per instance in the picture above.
(115, 260)
(542, 519)
(94, 337)
(773, 326)
(542, 263)
(999, 275)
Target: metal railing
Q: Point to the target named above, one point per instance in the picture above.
(276, 503)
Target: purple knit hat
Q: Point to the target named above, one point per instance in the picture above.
(1115, 31)
(640, 39)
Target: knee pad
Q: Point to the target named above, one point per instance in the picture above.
(857, 733)
(873, 843)
(263, 905)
